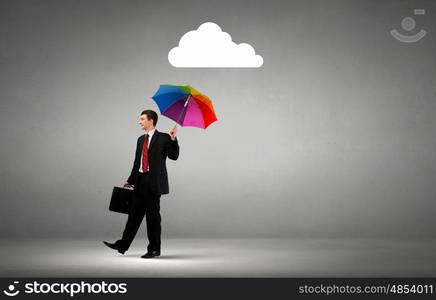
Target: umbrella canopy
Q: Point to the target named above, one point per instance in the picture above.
(185, 105)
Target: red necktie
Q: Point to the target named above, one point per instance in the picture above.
(145, 154)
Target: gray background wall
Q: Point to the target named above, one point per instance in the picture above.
(333, 136)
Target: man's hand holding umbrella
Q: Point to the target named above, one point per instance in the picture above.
(173, 132)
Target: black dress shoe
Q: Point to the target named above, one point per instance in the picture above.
(151, 254)
(114, 246)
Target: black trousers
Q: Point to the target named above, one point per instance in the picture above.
(148, 204)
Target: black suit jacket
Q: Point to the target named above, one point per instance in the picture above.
(161, 146)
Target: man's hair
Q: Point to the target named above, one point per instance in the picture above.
(151, 114)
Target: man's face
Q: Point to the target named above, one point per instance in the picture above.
(145, 123)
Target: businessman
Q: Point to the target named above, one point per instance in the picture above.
(149, 180)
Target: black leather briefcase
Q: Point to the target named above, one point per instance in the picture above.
(121, 200)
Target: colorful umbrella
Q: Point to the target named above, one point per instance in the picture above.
(185, 105)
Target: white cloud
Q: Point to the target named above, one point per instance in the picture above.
(210, 47)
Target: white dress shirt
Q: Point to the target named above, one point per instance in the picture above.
(150, 135)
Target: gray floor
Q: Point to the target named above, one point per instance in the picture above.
(221, 258)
